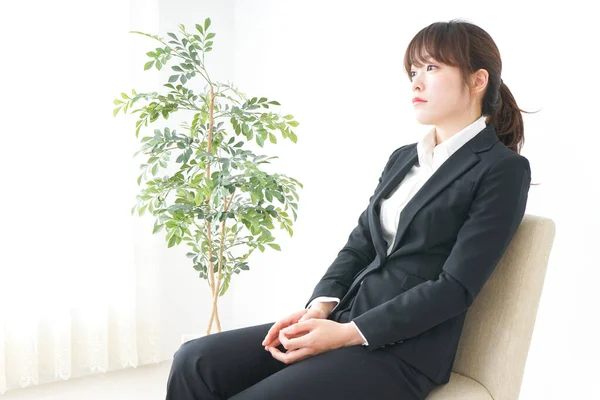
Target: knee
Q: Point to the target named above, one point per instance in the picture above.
(190, 354)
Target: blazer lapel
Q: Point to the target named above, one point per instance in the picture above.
(398, 172)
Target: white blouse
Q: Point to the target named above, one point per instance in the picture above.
(431, 157)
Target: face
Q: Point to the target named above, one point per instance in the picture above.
(441, 86)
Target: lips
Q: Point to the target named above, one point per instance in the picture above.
(418, 100)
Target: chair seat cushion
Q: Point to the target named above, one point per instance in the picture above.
(460, 387)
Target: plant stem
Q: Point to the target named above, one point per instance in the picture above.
(214, 288)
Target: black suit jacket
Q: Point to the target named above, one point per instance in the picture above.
(450, 236)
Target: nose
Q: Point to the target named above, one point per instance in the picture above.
(416, 84)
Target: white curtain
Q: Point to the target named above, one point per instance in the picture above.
(78, 280)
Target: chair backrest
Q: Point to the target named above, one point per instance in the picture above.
(499, 324)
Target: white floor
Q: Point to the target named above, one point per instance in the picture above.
(148, 382)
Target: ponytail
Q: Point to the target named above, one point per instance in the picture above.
(505, 115)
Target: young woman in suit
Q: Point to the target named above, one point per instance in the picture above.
(385, 319)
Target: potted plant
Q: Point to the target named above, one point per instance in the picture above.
(218, 200)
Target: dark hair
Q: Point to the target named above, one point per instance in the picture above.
(466, 46)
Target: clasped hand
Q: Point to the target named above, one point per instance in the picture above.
(306, 333)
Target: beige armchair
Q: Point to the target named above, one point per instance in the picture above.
(494, 344)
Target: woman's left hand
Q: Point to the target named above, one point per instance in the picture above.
(318, 336)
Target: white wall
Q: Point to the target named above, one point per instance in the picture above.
(337, 67)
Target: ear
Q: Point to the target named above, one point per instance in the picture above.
(479, 81)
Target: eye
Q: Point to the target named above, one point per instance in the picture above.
(428, 65)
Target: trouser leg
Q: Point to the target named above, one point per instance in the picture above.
(220, 365)
(347, 373)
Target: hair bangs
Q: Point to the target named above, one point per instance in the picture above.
(440, 42)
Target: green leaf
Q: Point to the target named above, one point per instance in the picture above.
(272, 138)
(157, 227)
(275, 246)
(225, 286)
(173, 78)
(293, 137)
(288, 117)
(206, 23)
(199, 28)
(293, 123)
(148, 65)
(172, 35)
(210, 36)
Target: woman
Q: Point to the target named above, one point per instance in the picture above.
(385, 319)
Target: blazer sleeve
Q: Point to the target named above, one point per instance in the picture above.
(356, 254)
(495, 214)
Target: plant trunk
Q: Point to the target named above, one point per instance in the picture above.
(214, 285)
(214, 316)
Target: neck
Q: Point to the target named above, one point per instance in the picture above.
(445, 131)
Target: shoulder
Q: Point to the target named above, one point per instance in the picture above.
(500, 157)
(503, 169)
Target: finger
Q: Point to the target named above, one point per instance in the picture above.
(274, 330)
(275, 342)
(304, 326)
(291, 356)
(276, 353)
(293, 343)
(308, 316)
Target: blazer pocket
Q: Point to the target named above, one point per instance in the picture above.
(411, 281)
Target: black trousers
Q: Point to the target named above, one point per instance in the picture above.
(234, 365)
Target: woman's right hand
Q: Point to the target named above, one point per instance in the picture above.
(272, 338)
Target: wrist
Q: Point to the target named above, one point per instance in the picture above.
(325, 307)
(353, 337)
